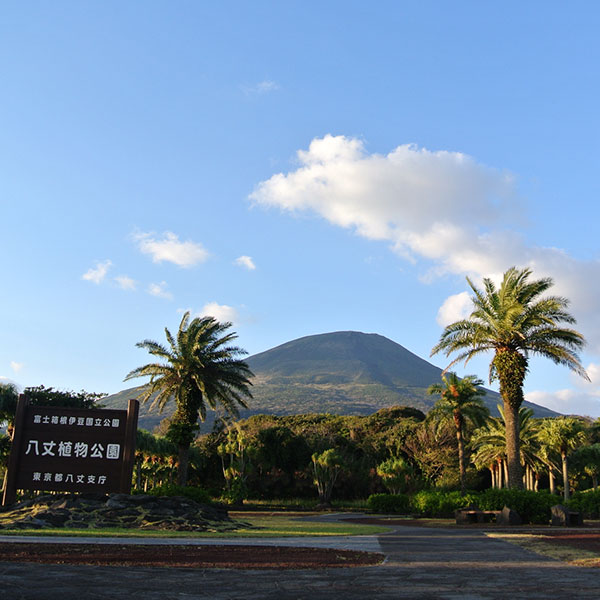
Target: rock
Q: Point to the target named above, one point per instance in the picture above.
(563, 517)
(508, 516)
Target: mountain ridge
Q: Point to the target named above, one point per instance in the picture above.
(342, 372)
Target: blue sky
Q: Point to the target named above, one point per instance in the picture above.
(295, 167)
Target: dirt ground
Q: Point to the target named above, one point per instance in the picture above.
(240, 557)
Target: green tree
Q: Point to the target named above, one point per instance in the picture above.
(514, 322)
(9, 397)
(326, 467)
(588, 459)
(461, 403)
(199, 369)
(397, 474)
(563, 434)
(489, 445)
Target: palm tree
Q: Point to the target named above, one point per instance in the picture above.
(489, 445)
(514, 322)
(563, 434)
(198, 369)
(461, 402)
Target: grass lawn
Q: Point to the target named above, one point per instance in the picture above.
(270, 525)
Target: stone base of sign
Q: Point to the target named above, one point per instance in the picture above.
(93, 511)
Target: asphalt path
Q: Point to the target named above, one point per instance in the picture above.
(421, 563)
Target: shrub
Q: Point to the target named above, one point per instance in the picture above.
(436, 503)
(587, 502)
(389, 503)
(193, 493)
(533, 507)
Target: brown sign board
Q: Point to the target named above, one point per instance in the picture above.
(71, 450)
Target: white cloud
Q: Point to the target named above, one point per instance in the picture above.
(262, 87)
(160, 290)
(442, 207)
(96, 275)
(16, 366)
(246, 262)
(126, 283)
(454, 308)
(170, 249)
(568, 401)
(221, 312)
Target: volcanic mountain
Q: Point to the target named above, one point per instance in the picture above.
(346, 372)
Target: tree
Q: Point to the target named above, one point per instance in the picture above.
(563, 434)
(199, 369)
(326, 468)
(588, 459)
(460, 402)
(397, 474)
(489, 445)
(514, 322)
(9, 397)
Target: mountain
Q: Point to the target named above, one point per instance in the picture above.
(346, 372)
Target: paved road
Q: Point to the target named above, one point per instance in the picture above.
(421, 563)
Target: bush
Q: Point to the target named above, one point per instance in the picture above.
(434, 503)
(389, 503)
(587, 502)
(193, 493)
(533, 507)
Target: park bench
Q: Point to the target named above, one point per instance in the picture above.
(465, 516)
(564, 517)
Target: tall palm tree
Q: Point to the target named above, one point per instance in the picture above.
(514, 322)
(563, 434)
(199, 368)
(461, 402)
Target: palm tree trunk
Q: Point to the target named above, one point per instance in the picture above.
(461, 459)
(565, 474)
(513, 454)
(184, 460)
(499, 467)
(551, 479)
(505, 467)
(511, 368)
(493, 474)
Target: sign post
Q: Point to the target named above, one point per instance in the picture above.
(71, 450)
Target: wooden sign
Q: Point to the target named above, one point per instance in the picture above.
(71, 450)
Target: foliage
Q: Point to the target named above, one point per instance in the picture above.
(432, 447)
(193, 493)
(514, 322)
(199, 368)
(397, 474)
(461, 403)
(389, 503)
(235, 455)
(587, 502)
(533, 507)
(434, 503)
(326, 468)
(43, 396)
(563, 435)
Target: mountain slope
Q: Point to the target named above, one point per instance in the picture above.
(345, 372)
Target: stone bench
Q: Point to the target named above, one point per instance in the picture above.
(563, 517)
(468, 516)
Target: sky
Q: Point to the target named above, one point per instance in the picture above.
(292, 167)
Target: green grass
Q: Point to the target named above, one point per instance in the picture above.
(270, 526)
